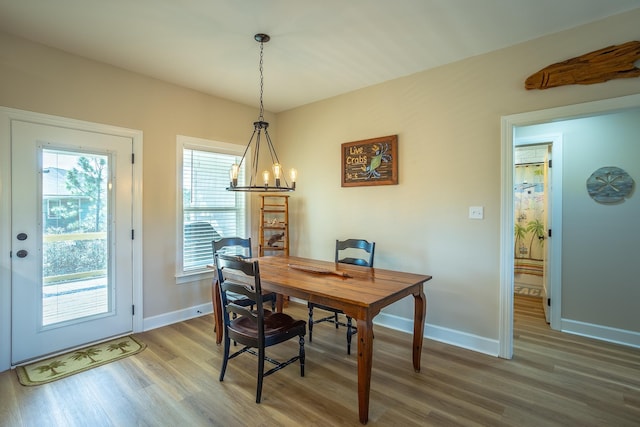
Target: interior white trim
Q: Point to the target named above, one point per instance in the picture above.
(603, 333)
(506, 210)
(172, 317)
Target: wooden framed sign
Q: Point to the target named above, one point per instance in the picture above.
(370, 162)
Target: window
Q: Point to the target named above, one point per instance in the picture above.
(207, 211)
(53, 209)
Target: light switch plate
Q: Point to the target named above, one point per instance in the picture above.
(476, 212)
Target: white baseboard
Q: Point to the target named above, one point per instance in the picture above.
(603, 333)
(176, 316)
(436, 333)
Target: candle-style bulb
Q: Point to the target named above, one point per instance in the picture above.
(233, 174)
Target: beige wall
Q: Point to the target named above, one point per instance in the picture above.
(448, 123)
(36, 78)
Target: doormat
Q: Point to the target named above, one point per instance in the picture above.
(527, 290)
(64, 365)
(533, 267)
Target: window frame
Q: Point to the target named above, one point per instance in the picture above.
(192, 143)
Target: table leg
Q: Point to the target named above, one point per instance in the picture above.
(365, 356)
(217, 309)
(279, 303)
(419, 315)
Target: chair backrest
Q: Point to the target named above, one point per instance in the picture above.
(355, 251)
(238, 276)
(237, 246)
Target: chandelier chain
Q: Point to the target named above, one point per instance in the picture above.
(261, 118)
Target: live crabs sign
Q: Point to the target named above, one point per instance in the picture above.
(370, 162)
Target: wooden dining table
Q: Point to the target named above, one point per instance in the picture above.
(361, 292)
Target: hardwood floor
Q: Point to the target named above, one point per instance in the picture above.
(554, 379)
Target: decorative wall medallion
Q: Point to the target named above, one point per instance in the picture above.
(609, 185)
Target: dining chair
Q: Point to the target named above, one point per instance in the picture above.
(350, 251)
(255, 329)
(239, 247)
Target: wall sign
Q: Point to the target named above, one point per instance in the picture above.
(370, 162)
(609, 185)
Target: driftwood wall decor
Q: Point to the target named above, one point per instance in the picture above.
(613, 62)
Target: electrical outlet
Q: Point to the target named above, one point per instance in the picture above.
(476, 212)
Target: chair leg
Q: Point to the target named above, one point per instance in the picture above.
(302, 355)
(335, 319)
(349, 334)
(260, 374)
(225, 357)
(310, 323)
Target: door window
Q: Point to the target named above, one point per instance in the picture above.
(75, 253)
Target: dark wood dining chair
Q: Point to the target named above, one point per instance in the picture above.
(253, 328)
(240, 247)
(237, 246)
(350, 251)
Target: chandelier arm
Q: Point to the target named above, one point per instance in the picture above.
(254, 161)
(274, 156)
(247, 148)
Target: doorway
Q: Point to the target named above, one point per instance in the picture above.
(509, 126)
(74, 271)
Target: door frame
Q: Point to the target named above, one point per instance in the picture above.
(7, 115)
(508, 123)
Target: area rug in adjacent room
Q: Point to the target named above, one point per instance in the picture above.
(63, 365)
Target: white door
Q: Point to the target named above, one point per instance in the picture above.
(71, 242)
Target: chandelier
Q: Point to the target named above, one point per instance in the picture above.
(260, 127)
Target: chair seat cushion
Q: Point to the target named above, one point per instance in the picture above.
(274, 324)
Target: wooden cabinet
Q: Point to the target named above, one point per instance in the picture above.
(274, 225)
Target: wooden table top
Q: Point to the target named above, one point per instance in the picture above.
(371, 288)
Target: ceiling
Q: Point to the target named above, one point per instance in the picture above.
(318, 49)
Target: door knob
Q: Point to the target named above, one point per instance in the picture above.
(22, 253)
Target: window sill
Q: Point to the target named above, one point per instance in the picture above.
(194, 276)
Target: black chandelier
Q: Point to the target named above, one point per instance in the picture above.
(259, 127)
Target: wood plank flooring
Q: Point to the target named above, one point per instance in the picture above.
(554, 379)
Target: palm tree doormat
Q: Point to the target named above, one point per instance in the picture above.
(63, 365)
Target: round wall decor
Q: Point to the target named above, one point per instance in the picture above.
(609, 185)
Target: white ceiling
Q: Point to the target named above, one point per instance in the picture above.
(318, 49)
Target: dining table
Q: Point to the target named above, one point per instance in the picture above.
(360, 292)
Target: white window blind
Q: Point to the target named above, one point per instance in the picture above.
(209, 210)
